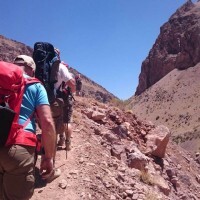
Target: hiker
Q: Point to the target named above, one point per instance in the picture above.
(47, 65)
(17, 157)
(65, 64)
(78, 85)
(65, 87)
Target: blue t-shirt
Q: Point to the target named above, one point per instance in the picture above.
(34, 95)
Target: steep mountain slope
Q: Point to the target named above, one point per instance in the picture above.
(108, 161)
(168, 91)
(175, 102)
(177, 46)
(9, 49)
(110, 157)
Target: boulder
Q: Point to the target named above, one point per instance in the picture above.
(137, 160)
(157, 141)
(98, 116)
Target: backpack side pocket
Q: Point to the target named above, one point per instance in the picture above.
(6, 119)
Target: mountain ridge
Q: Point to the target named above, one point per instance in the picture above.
(10, 48)
(115, 155)
(169, 86)
(177, 46)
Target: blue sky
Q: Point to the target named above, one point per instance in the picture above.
(106, 40)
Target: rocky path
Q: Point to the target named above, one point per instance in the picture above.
(90, 172)
(70, 169)
(84, 162)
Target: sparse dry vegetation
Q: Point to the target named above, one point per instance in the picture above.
(118, 103)
(129, 111)
(187, 136)
(145, 177)
(150, 195)
(123, 105)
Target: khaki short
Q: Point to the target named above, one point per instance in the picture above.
(17, 172)
(61, 113)
(68, 110)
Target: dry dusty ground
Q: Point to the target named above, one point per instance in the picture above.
(72, 171)
(78, 169)
(90, 172)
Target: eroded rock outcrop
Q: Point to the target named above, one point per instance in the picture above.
(177, 46)
(157, 141)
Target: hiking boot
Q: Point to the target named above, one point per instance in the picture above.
(68, 144)
(61, 141)
(56, 173)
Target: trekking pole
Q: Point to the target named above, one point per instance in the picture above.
(65, 96)
(66, 136)
(73, 97)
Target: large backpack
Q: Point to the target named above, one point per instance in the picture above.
(12, 86)
(47, 65)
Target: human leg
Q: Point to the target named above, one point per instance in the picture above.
(57, 114)
(67, 119)
(68, 133)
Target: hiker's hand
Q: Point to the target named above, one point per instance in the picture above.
(46, 167)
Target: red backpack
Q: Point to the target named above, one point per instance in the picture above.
(12, 86)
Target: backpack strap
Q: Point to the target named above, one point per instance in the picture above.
(30, 81)
(28, 120)
(27, 81)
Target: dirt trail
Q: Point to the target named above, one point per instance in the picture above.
(85, 161)
(71, 171)
(92, 173)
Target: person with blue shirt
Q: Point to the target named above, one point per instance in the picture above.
(17, 161)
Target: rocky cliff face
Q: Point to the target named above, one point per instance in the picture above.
(9, 49)
(177, 46)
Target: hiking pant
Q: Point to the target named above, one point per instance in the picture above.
(57, 114)
(16, 172)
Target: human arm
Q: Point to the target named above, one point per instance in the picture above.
(68, 78)
(71, 83)
(48, 138)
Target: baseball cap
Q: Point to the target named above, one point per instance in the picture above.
(24, 59)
